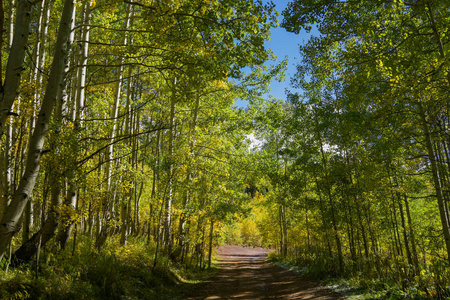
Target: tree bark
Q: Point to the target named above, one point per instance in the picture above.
(67, 217)
(17, 44)
(211, 240)
(168, 207)
(436, 179)
(336, 234)
(411, 234)
(14, 66)
(10, 220)
(125, 211)
(186, 199)
(28, 249)
(108, 207)
(154, 181)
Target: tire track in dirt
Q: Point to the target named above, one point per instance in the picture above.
(246, 275)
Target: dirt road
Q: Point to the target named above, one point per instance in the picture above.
(246, 275)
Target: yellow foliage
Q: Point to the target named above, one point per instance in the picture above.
(249, 232)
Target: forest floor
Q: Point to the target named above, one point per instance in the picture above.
(246, 275)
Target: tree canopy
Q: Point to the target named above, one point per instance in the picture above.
(118, 127)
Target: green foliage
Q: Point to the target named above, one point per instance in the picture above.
(230, 234)
(114, 273)
(147, 130)
(351, 186)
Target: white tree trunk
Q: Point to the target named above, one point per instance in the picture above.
(108, 203)
(71, 199)
(10, 220)
(15, 62)
(168, 209)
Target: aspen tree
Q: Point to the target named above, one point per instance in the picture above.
(17, 43)
(167, 234)
(68, 218)
(14, 66)
(108, 202)
(13, 212)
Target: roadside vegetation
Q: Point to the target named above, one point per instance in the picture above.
(115, 273)
(124, 160)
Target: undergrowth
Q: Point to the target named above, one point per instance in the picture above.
(429, 284)
(114, 273)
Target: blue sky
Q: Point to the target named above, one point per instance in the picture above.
(283, 44)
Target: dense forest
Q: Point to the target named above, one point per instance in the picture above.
(124, 160)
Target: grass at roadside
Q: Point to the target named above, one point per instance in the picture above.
(354, 286)
(114, 273)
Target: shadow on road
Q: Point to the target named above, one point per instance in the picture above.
(246, 275)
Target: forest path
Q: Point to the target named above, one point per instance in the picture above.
(246, 275)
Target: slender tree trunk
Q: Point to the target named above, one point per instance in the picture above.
(348, 202)
(351, 233)
(125, 202)
(325, 224)
(137, 205)
(168, 207)
(124, 219)
(280, 223)
(411, 234)
(394, 234)
(10, 20)
(36, 77)
(373, 240)
(284, 230)
(26, 222)
(404, 230)
(14, 66)
(13, 212)
(396, 226)
(186, 199)
(202, 248)
(107, 206)
(137, 191)
(28, 249)
(436, 179)
(154, 181)
(211, 240)
(332, 209)
(358, 205)
(159, 235)
(17, 44)
(308, 233)
(68, 215)
(6, 164)
(75, 231)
